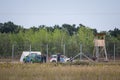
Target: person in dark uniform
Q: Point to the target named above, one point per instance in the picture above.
(71, 59)
(58, 57)
(44, 58)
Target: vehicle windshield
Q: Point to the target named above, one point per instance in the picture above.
(33, 55)
(54, 56)
(38, 57)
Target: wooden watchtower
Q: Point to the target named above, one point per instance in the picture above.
(100, 47)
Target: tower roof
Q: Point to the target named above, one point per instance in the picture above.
(100, 34)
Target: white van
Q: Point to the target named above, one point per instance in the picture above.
(26, 53)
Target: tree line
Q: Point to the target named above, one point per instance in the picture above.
(70, 36)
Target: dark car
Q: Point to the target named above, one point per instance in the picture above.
(33, 58)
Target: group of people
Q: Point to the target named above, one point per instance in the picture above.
(43, 58)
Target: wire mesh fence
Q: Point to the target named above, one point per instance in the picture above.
(113, 50)
(14, 51)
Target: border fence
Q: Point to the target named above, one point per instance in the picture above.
(13, 52)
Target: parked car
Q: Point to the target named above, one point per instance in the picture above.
(33, 58)
(63, 58)
(26, 53)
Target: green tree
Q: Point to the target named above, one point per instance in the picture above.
(70, 28)
(86, 37)
(9, 27)
(5, 45)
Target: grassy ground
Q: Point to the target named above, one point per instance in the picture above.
(99, 71)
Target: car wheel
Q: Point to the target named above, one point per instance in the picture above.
(31, 61)
(24, 61)
(68, 60)
(54, 61)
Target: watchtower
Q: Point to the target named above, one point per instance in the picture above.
(100, 47)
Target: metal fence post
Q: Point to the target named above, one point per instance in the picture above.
(80, 51)
(64, 49)
(47, 52)
(12, 52)
(114, 51)
(30, 49)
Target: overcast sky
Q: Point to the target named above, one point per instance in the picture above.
(100, 14)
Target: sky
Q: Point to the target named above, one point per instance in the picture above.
(103, 15)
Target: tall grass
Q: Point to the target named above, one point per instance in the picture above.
(10, 71)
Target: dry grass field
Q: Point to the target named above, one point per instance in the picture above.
(99, 71)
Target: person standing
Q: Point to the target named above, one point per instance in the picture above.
(58, 57)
